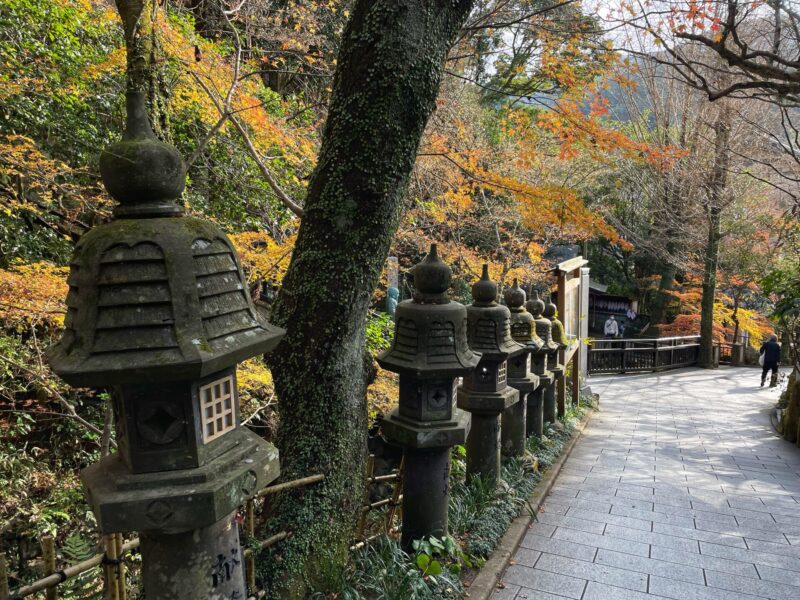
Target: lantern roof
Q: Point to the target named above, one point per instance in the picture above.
(154, 295)
(489, 323)
(430, 330)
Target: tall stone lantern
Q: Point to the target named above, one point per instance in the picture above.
(544, 327)
(535, 307)
(560, 340)
(519, 372)
(159, 313)
(485, 393)
(429, 352)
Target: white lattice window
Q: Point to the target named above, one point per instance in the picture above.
(216, 408)
(501, 373)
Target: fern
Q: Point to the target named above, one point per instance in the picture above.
(88, 585)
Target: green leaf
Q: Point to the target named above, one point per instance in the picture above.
(423, 561)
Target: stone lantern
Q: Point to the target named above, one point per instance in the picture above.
(544, 327)
(519, 372)
(560, 340)
(158, 312)
(485, 393)
(429, 352)
(539, 356)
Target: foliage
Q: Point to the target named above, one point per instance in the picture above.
(382, 571)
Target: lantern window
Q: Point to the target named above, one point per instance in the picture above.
(216, 408)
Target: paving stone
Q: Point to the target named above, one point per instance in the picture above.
(526, 557)
(681, 590)
(611, 519)
(527, 594)
(600, 591)
(650, 566)
(656, 539)
(544, 581)
(560, 547)
(758, 558)
(602, 541)
(593, 572)
(757, 587)
(779, 575)
(571, 522)
(699, 534)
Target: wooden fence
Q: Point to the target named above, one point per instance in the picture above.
(643, 355)
(111, 564)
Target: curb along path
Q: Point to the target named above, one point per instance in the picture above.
(679, 488)
(485, 583)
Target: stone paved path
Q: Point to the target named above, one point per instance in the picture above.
(678, 489)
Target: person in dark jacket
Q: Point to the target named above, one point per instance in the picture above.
(771, 350)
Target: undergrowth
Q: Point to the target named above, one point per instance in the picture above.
(479, 516)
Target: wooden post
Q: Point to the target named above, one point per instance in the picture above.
(250, 560)
(398, 487)
(561, 307)
(49, 556)
(576, 376)
(362, 521)
(122, 584)
(109, 570)
(5, 593)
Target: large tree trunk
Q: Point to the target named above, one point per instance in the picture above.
(145, 59)
(716, 190)
(658, 313)
(389, 70)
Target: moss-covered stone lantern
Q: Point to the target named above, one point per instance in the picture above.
(535, 306)
(519, 372)
(159, 313)
(545, 327)
(485, 393)
(429, 352)
(561, 342)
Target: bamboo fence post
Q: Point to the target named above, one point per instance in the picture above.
(109, 570)
(250, 560)
(398, 487)
(122, 584)
(365, 508)
(4, 591)
(49, 556)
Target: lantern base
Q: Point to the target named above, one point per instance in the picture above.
(202, 563)
(172, 502)
(486, 402)
(426, 434)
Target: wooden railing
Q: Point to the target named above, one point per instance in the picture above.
(630, 355)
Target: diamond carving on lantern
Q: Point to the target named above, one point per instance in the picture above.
(159, 423)
(159, 512)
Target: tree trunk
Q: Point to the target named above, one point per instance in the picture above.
(658, 313)
(390, 66)
(716, 189)
(145, 59)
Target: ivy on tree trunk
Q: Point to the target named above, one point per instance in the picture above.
(389, 70)
(145, 59)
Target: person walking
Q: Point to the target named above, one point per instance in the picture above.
(611, 327)
(771, 351)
